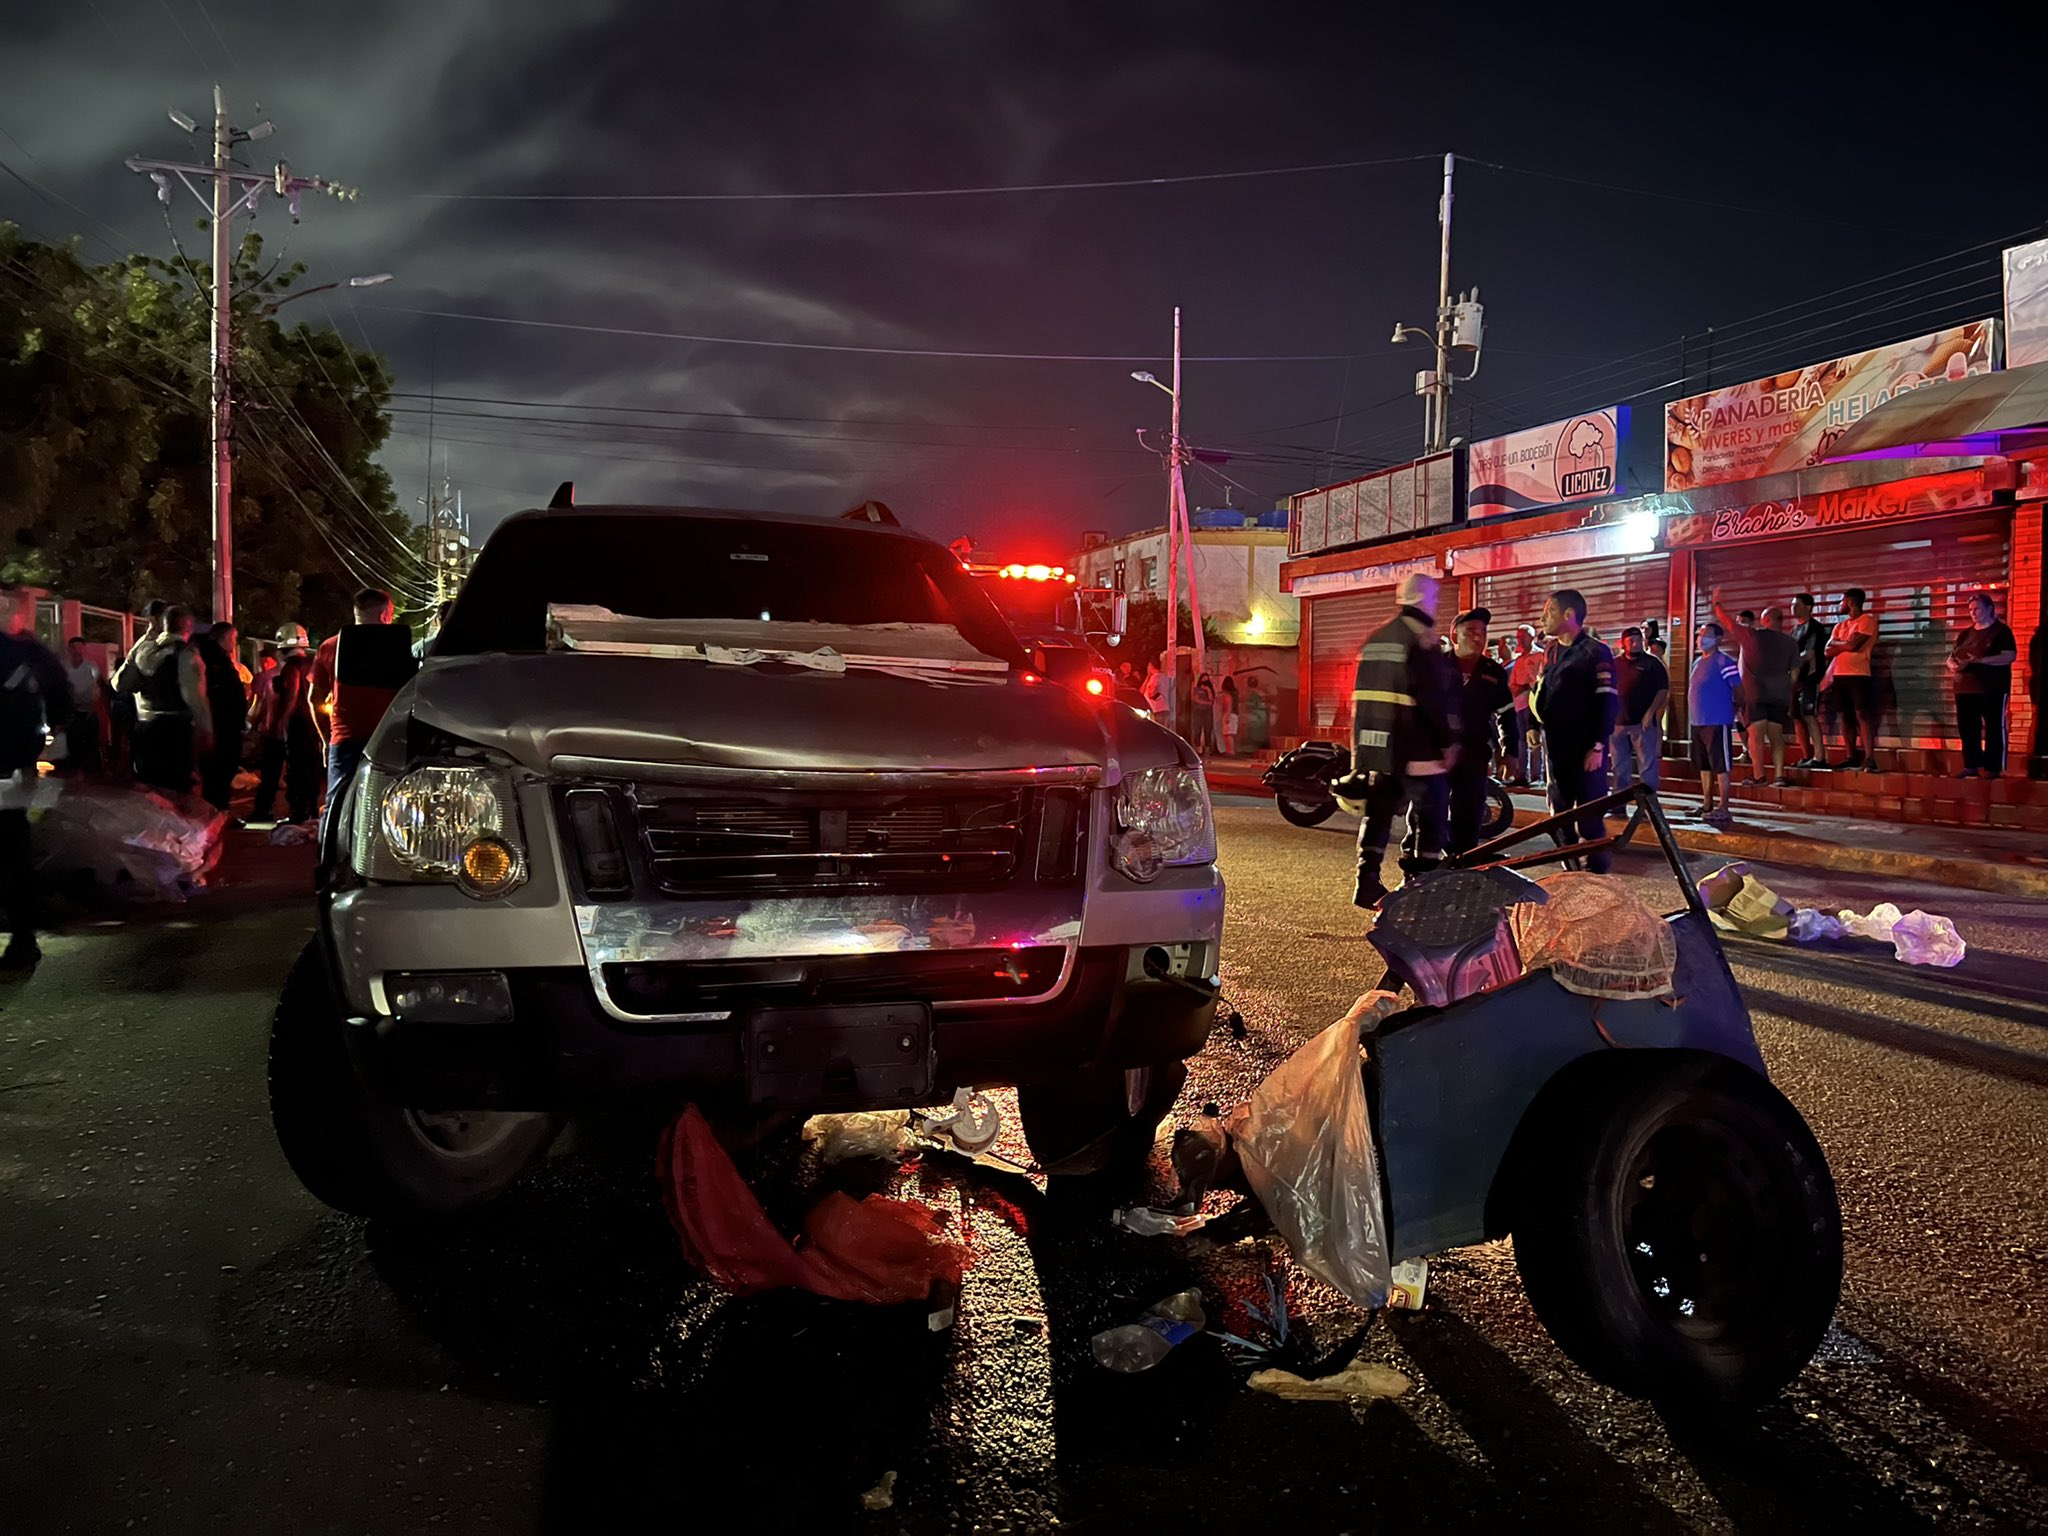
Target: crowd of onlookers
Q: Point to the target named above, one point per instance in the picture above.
(1224, 716)
(1759, 689)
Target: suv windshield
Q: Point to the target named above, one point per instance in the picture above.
(709, 567)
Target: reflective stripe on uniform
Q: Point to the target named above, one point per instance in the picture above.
(1377, 696)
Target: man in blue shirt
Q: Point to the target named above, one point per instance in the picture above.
(1710, 694)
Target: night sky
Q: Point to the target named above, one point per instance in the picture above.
(1747, 168)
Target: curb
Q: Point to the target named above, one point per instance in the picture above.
(2000, 879)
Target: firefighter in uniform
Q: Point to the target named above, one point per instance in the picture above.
(1405, 734)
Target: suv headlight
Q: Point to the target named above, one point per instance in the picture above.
(440, 822)
(1162, 818)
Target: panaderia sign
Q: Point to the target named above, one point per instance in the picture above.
(1926, 496)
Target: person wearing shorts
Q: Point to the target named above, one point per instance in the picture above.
(1711, 692)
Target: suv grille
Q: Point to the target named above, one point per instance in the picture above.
(722, 843)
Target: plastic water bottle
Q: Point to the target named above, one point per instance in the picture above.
(1141, 1345)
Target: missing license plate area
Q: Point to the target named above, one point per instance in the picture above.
(822, 1057)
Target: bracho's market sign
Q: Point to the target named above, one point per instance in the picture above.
(1926, 496)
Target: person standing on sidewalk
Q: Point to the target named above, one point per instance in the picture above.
(35, 700)
(1158, 701)
(1405, 733)
(1980, 667)
(227, 702)
(1645, 689)
(1577, 704)
(1811, 637)
(1710, 696)
(288, 744)
(85, 737)
(356, 674)
(1768, 660)
(1485, 710)
(173, 726)
(1227, 718)
(1522, 676)
(1849, 654)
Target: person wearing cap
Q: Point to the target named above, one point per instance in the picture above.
(1486, 705)
(1406, 729)
(1578, 704)
(1645, 689)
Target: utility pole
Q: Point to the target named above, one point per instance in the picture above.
(230, 191)
(1441, 431)
(1458, 328)
(1178, 528)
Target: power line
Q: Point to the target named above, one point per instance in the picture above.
(918, 192)
(866, 351)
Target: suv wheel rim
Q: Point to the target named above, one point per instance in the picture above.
(462, 1133)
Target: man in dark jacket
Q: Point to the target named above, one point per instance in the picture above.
(227, 702)
(1405, 734)
(1483, 696)
(35, 696)
(1578, 703)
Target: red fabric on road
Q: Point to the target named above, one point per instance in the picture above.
(873, 1250)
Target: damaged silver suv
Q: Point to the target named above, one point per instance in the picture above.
(764, 812)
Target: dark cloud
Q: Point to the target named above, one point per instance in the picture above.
(484, 96)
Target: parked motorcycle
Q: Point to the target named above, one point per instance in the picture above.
(1301, 782)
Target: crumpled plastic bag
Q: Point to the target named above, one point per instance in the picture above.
(1924, 938)
(1808, 926)
(290, 834)
(133, 843)
(1877, 923)
(874, 1250)
(881, 1133)
(1916, 937)
(1306, 1144)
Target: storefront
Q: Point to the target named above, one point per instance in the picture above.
(1615, 566)
(1338, 611)
(1920, 547)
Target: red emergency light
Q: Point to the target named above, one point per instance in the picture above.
(1034, 573)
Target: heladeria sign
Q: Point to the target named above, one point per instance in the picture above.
(2026, 304)
(1577, 459)
(1791, 420)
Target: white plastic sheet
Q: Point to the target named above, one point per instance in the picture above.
(134, 844)
(1306, 1144)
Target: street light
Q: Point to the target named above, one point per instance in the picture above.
(1146, 378)
(1177, 531)
(370, 281)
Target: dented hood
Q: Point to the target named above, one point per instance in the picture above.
(536, 708)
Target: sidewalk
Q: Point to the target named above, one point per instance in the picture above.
(2007, 863)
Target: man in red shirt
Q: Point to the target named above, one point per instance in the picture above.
(350, 692)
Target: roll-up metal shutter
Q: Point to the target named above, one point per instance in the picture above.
(1338, 627)
(1620, 590)
(1918, 577)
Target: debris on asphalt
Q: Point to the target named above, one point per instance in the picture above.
(1141, 1345)
(1150, 1221)
(1810, 927)
(1203, 1159)
(882, 1495)
(1358, 1380)
(131, 844)
(1271, 1319)
(290, 834)
(1596, 937)
(883, 1134)
(1307, 1148)
(1234, 1022)
(1410, 1281)
(1924, 938)
(874, 1250)
(1752, 908)
(970, 1125)
(1916, 937)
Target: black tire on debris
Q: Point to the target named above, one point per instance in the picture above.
(358, 1154)
(1681, 1240)
(1098, 1120)
(1303, 814)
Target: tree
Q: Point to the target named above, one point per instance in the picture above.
(1145, 634)
(105, 441)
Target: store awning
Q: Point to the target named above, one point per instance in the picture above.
(1991, 413)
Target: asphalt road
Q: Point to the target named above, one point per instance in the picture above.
(194, 1344)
